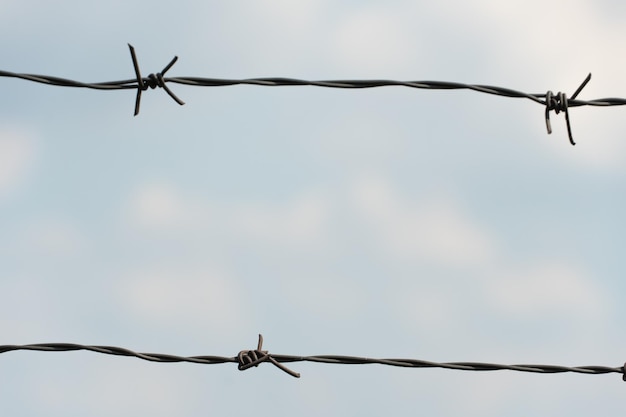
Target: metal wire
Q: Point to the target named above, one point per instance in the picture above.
(249, 358)
(552, 102)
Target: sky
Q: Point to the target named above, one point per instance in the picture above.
(388, 222)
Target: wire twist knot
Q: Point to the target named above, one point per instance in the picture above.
(559, 103)
(249, 358)
(151, 81)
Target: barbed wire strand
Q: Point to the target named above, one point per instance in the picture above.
(558, 102)
(250, 358)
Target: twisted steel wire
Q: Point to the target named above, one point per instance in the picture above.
(552, 102)
(249, 358)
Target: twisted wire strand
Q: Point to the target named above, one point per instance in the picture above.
(250, 358)
(132, 84)
(553, 102)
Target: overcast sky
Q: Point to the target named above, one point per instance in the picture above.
(389, 222)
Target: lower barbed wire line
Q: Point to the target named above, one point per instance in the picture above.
(117, 351)
(250, 358)
(464, 366)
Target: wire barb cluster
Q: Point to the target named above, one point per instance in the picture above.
(152, 81)
(250, 358)
(559, 103)
(552, 102)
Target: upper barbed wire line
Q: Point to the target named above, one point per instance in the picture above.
(374, 83)
(64, 82)
(130, 84)
(282, 82)
(250, 358)
(558, 102)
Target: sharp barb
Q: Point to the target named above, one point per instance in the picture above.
(579, 89)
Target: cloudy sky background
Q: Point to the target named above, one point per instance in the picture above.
(392, 222)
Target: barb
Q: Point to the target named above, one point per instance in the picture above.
(557, 102)
(249, 358)
(152, 81)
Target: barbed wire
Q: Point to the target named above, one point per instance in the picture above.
(249, 358)
(558, 102)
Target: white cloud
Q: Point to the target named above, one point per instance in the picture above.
(546, 290)
(361, 143)
(301, 220)
(157, 206)
(17, 153)
(328, 295)
(190, 296)
(371, 41)
(55, 237)
(288, 14)
(594, 46)
(26, 298)
(599, 136)
(134, 385)
(508, 44)
(516, 36)
(435, 229)
(424, 308)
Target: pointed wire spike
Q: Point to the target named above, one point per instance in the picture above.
(140, 82)
(135, 62)
(171, 94)
(547, 113)
(567, 122)
(579, 89)
(139, 79)
(284, 368)
(168, 66)
(137, 102)
(167, 90)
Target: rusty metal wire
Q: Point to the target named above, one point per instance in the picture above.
(249, 358)
(558, 102)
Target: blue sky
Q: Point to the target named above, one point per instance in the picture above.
(392, 222)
